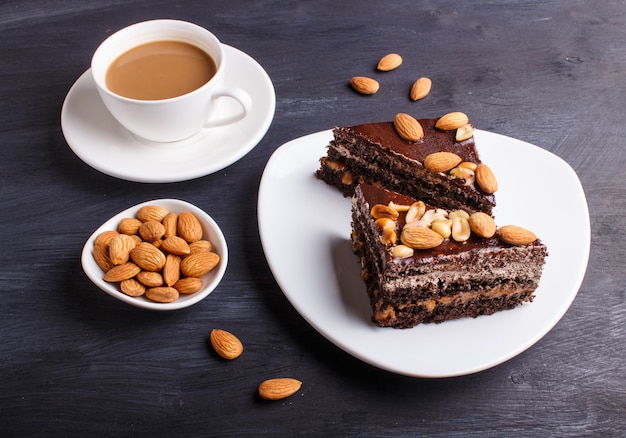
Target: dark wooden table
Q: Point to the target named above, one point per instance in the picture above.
(75, 362)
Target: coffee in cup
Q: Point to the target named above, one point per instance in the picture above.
(160, 70)
(160, 80)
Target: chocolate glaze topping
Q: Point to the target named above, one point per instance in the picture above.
(434, 140)
(374, 195)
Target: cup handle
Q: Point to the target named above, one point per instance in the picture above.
(240, 96)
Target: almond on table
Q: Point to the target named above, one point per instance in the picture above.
(389, 62)
(279, 388)
(421, 88)
(364, 85)
(226, 344)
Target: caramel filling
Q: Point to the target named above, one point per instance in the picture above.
(386, 312)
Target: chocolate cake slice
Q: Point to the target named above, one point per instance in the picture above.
(424, 264)
(376, 154)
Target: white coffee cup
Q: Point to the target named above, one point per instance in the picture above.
(176, 118)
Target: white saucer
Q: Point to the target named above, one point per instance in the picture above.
(101, 142)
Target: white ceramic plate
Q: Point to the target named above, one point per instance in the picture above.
(305, 230)
(211, 232)
(101, 142)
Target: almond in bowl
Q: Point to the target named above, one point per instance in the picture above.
(164, 254)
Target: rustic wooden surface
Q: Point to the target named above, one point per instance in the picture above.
(75, 362)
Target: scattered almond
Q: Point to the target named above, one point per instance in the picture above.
(420, 88)
(389, 62)
(419, 237)
(101, 256)
(514, 235)
(188, 285)
(364, 85)
(175, 245)
(170, 224)
(150, 279)
(189, 227)
(129, 225)
(104, 238)
(151, 231)
(200, 246)
(199, 264)
(148, 257)
(151, 213)
(279, 388)
(226, 344)
(482, 225)
(452, 121)
(485, 179)
(162, 294)
(121, 272)
(171, 269)
(119, 248)
(441, 161)
(408, 127)
(132, 287)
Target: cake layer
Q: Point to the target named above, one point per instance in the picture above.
(374, 153)
(470, 267)
(454, 279)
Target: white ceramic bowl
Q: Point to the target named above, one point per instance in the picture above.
(211, 232)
